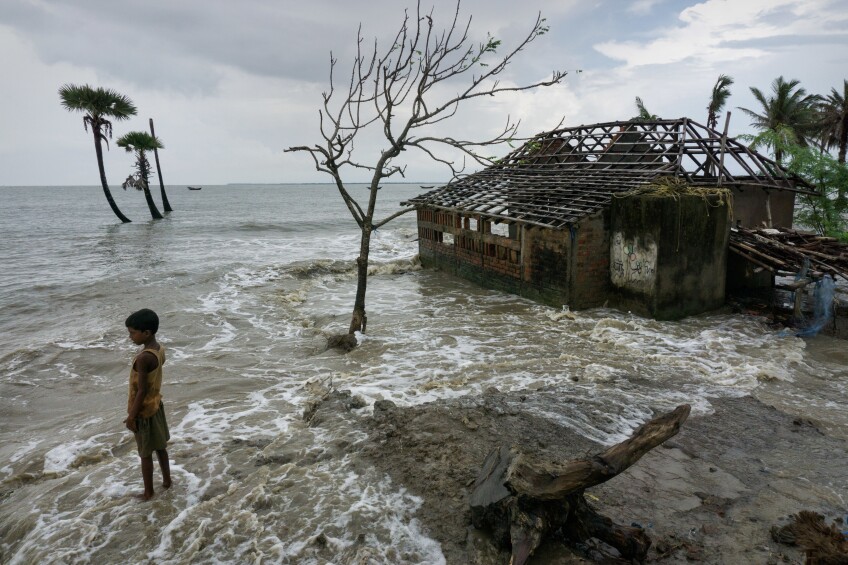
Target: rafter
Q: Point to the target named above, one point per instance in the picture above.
(561, 176)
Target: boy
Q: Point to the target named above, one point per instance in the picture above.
(145, 412)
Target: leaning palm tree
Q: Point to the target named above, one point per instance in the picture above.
(720, 94)
(98, 105)
(790, 108)
(139, 142)
(834, 121)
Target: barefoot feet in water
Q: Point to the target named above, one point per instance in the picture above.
(145, 496)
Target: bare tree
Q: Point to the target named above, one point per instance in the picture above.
(401, 91)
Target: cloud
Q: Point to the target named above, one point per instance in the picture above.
(230, 85)
(643, 6)
(184, 45)
(717, 31)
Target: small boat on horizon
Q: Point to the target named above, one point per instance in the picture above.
(195, 187)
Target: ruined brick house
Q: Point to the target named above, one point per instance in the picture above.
(561, 220)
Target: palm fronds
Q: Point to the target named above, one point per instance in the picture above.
(720, 94)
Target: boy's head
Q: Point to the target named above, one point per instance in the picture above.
(143, 320)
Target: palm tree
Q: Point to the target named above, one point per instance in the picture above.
(165, 204)
(789, 108)
(644, 114)
(834, 120)
(721, 92)
(139, 142)
(99, 104)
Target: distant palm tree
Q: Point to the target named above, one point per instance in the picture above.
(790, 108)
(644, 114)
(834, 120)
(98, 104)
(720, 94)
(165, 203)
(139, 142)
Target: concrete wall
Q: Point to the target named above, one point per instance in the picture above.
(742, 274)
(749, 207)
(668, 255)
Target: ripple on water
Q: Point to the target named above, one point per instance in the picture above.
(245, 311)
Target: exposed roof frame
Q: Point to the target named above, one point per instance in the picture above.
(560, 176)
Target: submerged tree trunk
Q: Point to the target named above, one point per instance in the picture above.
(154, 211)
(522, 500)
(98, 149)
(359, 320)
(165, 204)
(144, 170)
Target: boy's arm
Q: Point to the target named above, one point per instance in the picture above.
(143, 365)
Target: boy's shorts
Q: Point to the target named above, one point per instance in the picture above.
(152, 434)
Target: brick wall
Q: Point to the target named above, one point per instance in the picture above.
(547, 264)
(591, 281)
(529, 262)
(555, 267)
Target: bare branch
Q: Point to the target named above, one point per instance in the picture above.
(388, 219)
(351, 203)
(434, 157)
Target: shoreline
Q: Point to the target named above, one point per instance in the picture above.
(710, 494)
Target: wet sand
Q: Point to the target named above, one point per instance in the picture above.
(709, 494)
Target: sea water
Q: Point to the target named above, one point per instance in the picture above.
(249, 280)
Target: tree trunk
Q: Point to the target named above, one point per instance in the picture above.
(165, 204)
(144, 169)
(521, 501)
(843, 141)
(358, 319)
(154, 211)
(98, 149)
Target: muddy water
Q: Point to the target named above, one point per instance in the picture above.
(248, 281)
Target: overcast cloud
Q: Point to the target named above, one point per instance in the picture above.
(231, 84)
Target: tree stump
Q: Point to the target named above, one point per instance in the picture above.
(521, 501)
(343, 342)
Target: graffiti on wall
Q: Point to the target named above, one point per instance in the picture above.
(633, 263)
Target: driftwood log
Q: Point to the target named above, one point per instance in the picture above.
(521, 501)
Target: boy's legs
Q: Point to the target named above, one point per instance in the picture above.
(153, 432)
(164, 466)
(147, 477)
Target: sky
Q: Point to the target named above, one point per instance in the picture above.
(230, 85)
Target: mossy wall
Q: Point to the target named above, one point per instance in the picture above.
(669, 254)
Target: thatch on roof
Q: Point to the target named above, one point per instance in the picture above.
(559, 177)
